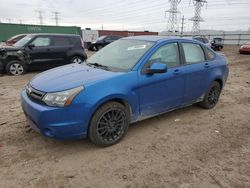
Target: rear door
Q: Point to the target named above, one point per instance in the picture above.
(61, 45)
(197, 71)
(161, 92)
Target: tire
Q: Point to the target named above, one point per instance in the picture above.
(77, 59)
(98, 47)
(109, 124)
(219, 48)
(212, 96)
(15, 68)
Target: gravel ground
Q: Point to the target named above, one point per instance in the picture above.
(186, 148)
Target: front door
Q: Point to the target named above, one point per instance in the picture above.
(163, 91)
(40, 52)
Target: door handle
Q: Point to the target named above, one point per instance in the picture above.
(176, 72)
(206, 65)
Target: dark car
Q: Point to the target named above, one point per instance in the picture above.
(203, 40)
(245, 48)
(103, 41)
(41, 52)
(11, 41)
(217, 44)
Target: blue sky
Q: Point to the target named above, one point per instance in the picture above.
(126, 14)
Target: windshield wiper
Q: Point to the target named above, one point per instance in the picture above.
(99, 65)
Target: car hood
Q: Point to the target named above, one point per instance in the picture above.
(69, 76)
(9, 48)
(246, 46)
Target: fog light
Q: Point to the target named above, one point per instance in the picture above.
(49, 132)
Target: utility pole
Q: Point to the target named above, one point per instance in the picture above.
(182, 25)
(172, 19)
(56, 18)
(197, 16)
(40, 16)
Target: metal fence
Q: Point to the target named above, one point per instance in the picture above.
(233, 38)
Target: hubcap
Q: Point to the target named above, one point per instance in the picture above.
(110, 126)
(16, 69)
(213, 95)
(77, 60)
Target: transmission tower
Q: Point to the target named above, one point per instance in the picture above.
(172, 19)
(197, 16)
(56, 18)
(40, 16)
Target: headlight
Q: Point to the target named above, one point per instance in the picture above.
(63, 98)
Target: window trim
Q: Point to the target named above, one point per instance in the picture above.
(183, 53)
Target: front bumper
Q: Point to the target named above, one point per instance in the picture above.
(61, 123)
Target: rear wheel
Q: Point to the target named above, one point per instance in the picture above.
(109, 124)
(15, 68)
(212, 96)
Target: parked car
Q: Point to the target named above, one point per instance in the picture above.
(217, 44)
(245, 48)
(102, 41)
(42, 51)
(203, 40)
(127, 81)
(11, 41)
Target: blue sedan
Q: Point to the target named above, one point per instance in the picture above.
(129, 80)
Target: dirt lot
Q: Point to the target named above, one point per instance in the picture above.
(186, 148)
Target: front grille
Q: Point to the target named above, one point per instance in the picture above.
(34, 94)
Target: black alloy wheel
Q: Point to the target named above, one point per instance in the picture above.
(109, 124)
(212, 96)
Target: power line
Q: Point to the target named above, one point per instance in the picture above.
(56, 18)
(172, 19)
(40, 16)
(197, 15)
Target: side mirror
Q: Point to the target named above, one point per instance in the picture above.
(155, 68)
(31, 46)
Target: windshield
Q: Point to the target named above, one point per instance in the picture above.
(121, 55)
(23, 41)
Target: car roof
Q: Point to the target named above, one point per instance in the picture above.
(52, 34)
(153, 38)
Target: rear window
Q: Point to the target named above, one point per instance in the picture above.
(61, 41)
(206, 40)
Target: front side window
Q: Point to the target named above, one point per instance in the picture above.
(193, 53)
(41, 41)
(167, 54)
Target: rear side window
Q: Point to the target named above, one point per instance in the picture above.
(210, 54)
(61, 41)
(193, 53)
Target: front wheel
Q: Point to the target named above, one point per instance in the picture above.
(212, 96)
(77, 59)
(15, 68)
(109, 124)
